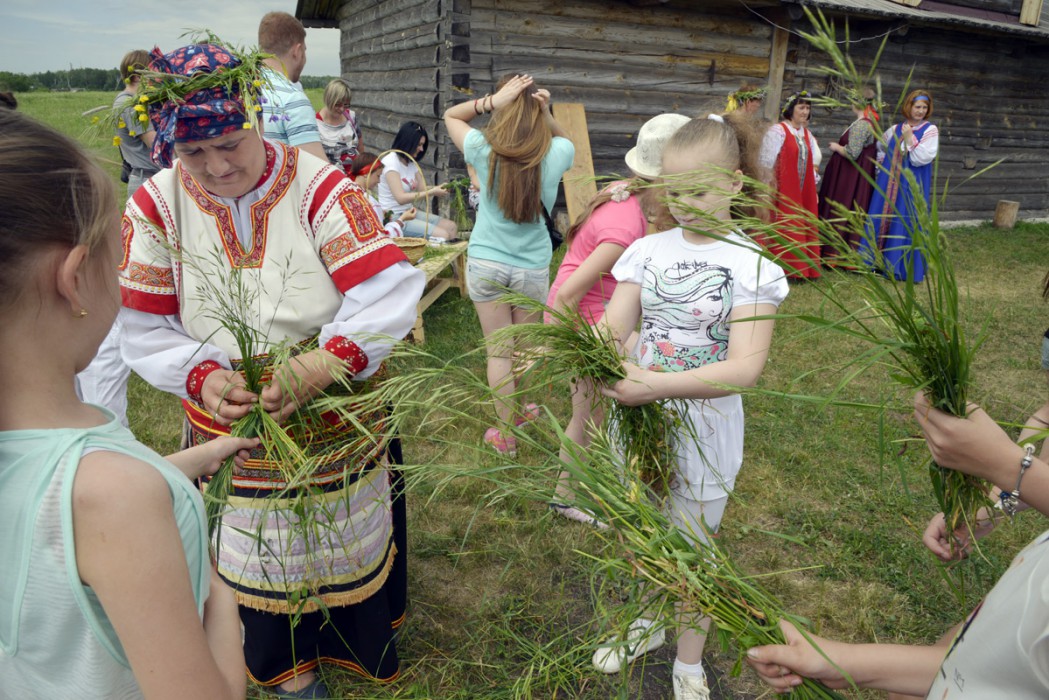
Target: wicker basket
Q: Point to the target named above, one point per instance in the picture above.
(413, 248)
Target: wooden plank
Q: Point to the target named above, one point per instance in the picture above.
(580, 187)
(1031, 12)
(777, 63)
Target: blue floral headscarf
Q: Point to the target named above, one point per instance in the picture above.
(202, 114)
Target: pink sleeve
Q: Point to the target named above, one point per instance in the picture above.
(621, 223)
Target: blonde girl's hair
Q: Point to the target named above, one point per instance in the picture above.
(52, 195)
(336, 92)
(519, 138)
(731, 141)
(912, 97)
(648, 194)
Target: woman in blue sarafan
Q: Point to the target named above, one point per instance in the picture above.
(911, 145)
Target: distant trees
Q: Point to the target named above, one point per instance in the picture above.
(91, 79)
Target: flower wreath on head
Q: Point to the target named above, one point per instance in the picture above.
(740, 97)
(201, 90)
(801, 95)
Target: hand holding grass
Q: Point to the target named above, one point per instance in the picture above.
(637, 388)
(298, 380)
(205, 460)
(225, 397)
(957, 545)
(893, 667)
(783, 666)
(974, 445)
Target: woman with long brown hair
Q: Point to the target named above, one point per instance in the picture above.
(519, 158)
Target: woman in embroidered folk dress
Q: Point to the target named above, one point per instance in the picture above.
(910, 145)
(847, 179)
(107, 588)
(791, 151)
(236, 200)
(519, 157)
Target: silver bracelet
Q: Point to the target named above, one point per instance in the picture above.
(1011, 499)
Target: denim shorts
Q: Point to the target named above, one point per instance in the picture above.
(421, 226)
(487, 280)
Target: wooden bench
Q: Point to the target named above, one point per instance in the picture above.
(450, 256)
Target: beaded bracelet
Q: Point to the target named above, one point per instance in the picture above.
(1011, 499)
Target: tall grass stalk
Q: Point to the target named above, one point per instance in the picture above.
(570, 348)
(644, 547)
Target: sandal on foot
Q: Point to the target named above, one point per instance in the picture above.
(503, 444)
(577, 514)
(531, 412)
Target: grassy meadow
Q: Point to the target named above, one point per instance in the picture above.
(504, 602)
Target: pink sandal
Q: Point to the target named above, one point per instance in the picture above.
(531, 412)
(503, 444)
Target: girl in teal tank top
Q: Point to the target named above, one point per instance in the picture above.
(106, 588)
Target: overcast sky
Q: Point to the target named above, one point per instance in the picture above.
(37, 36)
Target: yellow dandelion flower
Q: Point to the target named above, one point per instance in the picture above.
(245, 125)
(140, 108)
(143, 99)
(132, 133)
(143, 118)
(94, 120)
(258, 108)
(121, 124)
(116, 140)
(256, 83)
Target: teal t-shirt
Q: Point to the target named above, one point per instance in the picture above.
(496, 238)
(55, 638)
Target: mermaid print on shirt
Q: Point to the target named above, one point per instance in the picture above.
(685, 303)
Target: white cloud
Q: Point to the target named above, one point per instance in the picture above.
(39, 37)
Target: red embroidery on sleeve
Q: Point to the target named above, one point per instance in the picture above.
(349, 352)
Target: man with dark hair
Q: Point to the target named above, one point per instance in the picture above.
(289, 116)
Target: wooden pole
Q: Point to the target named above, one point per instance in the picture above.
(777, 64)
(1005, 213)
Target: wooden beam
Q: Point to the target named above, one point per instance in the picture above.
(580, 186)
(1031, 12)
(777, 64)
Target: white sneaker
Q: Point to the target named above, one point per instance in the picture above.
(690, 687)
(640, 639)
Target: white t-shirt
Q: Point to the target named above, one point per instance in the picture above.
(688, 292)
(1002, 651)
(410, 181)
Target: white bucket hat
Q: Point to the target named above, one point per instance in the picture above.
(646, 158)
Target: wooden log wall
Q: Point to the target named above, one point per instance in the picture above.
(989, 105)
(623, 62)
(392, 55)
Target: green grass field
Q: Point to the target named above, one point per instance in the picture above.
(502, 603)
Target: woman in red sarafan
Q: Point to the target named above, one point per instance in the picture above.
(790, 150)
